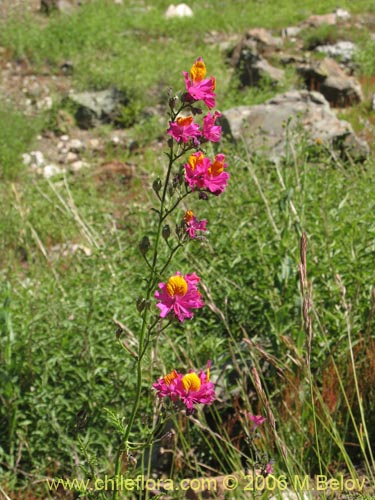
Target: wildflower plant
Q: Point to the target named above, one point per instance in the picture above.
(175, 296)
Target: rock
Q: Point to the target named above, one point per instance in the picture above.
(63, 6)
(37, 158)
(328, 78)
(250, 67)
(78, 165)
(180, 10)
(342, 15)
(94, 108)
(264, 39)
(76, 146)
(26, 159)
(291, 31)
(316, 21)
(71, 157)
(262, 127)
(343, 50)
(373, 103)
(52, 170)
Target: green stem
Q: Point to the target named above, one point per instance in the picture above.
(141, 351)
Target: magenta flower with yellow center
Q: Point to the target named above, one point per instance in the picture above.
(216, 179)
(189, 389)
(211, 132)
(184, 130)
(198, 87)
(178, 296)
(193, 224)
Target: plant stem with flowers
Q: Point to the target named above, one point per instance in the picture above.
(179, 295)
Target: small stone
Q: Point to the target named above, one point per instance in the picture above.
(78, 165)
(64, 138)
(94, 144)
(37, 158)
(180, 10)
(52, 170)
(373, 103)
(76, 146)
(291, 31)
(342, 15)
(26, 159)
(71, 157)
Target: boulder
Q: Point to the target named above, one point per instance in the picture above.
(95, 108)
(180, 10)
(328, 78)
(250, 67)
(264, 131)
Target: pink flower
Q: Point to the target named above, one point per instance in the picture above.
(193, 224)
(211, 132)
(179, 295)
(198, 87)
(269, 468)
(196, 170)
(184, 129)
(257, 419)
(202, 174)
(216, 179)
(189, 389)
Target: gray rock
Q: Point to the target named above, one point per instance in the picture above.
(263, 127)
(95, 108)
(251, 68)
(344, 50)
(264, 39)
(328, 78)
(291, 31)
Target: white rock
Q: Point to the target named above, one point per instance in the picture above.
(51, 170)
(26, 159)
(45, 103)
(119, 2)
(64, 138)
(373, 103)
(344, 50)
(71, 157)
(180, 10)
(37, 158)
(76, 146)
(94, 144)
(78, 165)
(342, 15)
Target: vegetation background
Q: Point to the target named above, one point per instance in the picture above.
(60, 361)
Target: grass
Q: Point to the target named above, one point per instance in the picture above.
(60, 362)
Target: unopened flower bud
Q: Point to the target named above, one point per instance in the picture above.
(156, 185)
(203, 196)
(144, 245)
(141, 303)
(166, 232)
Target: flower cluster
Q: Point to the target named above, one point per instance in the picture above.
(188, 389)
(178, 297)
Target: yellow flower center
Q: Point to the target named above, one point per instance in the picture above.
(198, 71)
(194, 159)
(216, 168)
(176, 285)
(168, 379)
(191, 382)
(189, 215)
(184, 122)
